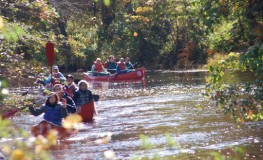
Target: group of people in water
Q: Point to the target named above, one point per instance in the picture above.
(65, 96)
(111, 67)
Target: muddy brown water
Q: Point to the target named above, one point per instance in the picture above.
(166, 102)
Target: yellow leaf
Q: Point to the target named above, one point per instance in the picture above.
(52, 137)
(18, 154)
(1, 23)
(72, 121)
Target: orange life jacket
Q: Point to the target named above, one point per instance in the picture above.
(70, 90)
(122, 65)
(98, 67)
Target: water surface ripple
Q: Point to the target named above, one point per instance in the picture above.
(165, 103)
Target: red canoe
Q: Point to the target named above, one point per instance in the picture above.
(44, 127)
(87, 111)
(136, 75)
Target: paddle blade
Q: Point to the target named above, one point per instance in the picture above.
(12, 112)
(9, 114)
(96, 97)
(50, 52)
(25, 93)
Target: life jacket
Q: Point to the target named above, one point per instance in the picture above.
(83, 98)
(70, 90)
(111, 65)
(53, 114)
(122, 66)
(106, 64)
(98, 67)
(129, 65)
(56, 81)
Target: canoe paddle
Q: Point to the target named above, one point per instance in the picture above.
(11, 113)
(50, 54)
(25, 93)
(111, 69)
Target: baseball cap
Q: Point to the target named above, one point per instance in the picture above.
(55, 67)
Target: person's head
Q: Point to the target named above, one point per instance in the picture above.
(52, 99)
(98, 61)
(83, 85)
(70, 78)
(111, 58)
(55, 69)
(127, 59)
(122, 60)
(58, 89)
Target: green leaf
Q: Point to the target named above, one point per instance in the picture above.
(107, 2)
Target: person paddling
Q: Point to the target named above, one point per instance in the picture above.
(97, 68)
(57, 78)
(85, 102)
(111, 65)
(54, 111)
(121, 68)
(65, 98)
(128, 63)
(82, 95)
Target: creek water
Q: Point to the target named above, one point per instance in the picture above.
(166, 103)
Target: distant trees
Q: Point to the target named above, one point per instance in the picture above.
(170, 34)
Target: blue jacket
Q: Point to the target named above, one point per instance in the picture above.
(129, 65)
(61, 76)
(82, 97)
(51, 114)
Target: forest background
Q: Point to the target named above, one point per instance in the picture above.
(157, 34)
(224, 35)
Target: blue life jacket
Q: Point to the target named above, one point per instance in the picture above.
(53, 114)
(83, 98)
